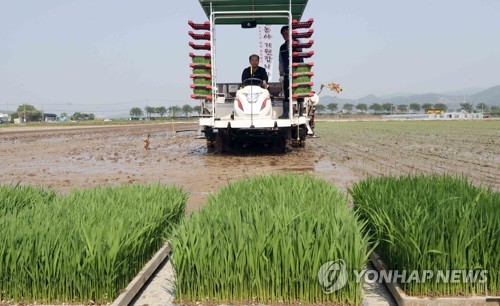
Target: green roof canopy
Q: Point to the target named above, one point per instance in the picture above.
(254, 6)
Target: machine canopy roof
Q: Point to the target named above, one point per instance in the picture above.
(254, 6)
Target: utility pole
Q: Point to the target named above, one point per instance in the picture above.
(24, 113)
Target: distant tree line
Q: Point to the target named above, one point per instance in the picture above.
(172, 111)
(385, 108)
(29, 113)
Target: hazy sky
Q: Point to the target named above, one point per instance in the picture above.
(109, 56)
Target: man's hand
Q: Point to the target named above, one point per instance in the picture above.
(282, 78)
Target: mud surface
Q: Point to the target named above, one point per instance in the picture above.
(80, 158)
(68, 157)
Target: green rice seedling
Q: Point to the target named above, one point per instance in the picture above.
(437, 223)
(301, 69)
(202, 91)
(202, 81)
(16, 198)
(201, 60)
(302, 90)
(87, 245)
(264, 239)
(202, 71)
(302, 79)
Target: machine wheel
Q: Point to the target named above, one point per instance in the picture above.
(222, 142)
(285, 140)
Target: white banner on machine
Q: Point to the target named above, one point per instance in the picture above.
(266, 49)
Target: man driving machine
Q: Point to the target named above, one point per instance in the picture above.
(254, 72)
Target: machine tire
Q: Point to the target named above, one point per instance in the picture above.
(222, 142)
(285, 140)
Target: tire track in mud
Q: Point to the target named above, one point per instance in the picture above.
(385, 151)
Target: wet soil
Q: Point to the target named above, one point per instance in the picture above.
(67, 158)
(82, 157)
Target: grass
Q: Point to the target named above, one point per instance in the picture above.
(435, 222)
(263, 240)
(85, 246)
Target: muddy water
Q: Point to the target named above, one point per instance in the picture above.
(64, 159)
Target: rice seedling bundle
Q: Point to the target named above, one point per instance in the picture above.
(264, 239)
(84, 246)
(301, 69)
(17, 198)
(437, 223)
(202, 81)
(200, 59)
(302, 90)
(202, 71)
(202, 91)
(302, 79)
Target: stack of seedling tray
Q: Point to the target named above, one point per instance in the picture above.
(201, 63)
(301, 72)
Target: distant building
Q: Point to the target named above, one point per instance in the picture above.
(48, 117)
(434, 111)
(5, 117)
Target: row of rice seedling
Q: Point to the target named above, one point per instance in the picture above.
(436, 223)
(264, 239)
(85, 246)
(16, 198)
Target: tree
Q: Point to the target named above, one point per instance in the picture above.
(149, 111)
(495, 110)
(402, 108)
(387, 107)
(332, 107)
(136, 112)
(162, 110)
(427, 106)
(29, 113)
(77, 116)
(441, 106)
(466, 107)
(362, 107)
(187, 109)
(320, 108)
(348, 107)
(376, 107)
(482, 107)
(415, 107)
(173, 110)
(64, 114)
(197, 109)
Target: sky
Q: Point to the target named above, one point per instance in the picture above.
(106, 56)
